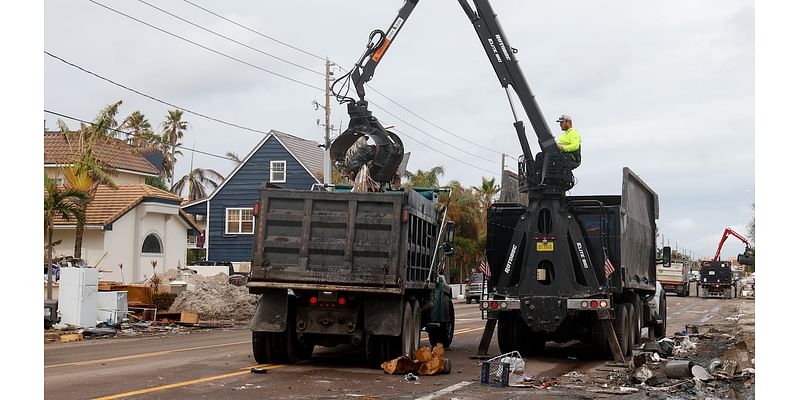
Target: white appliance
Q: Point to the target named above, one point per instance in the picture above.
(77, 296)
(112, 306)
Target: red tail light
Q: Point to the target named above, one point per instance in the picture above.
(313, 300)
(342, 301)
(494, 305)
(593, 303)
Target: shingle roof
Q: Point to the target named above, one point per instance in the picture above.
(116, 153)
(307, 151)
(110, 204)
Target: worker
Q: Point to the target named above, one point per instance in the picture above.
(570, 141)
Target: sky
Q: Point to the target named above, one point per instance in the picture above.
(664, 88)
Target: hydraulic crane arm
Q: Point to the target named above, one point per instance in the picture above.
(725, 234)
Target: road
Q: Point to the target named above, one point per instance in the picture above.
(216, 364)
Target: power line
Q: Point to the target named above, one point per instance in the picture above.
(230, 39)
(405, 135)
(432, 136)
(431, 123)
(206, 47)
(151, 97)
(219, 120)
(370, 86)
(254, 31)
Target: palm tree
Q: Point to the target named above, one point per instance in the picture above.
(486, 192)
(424, 178)
(65, 203)
(234, 157)
(141, 132)
(198, 180)
(173, 128)
(88, 169)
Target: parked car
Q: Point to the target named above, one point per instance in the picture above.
(475, 287)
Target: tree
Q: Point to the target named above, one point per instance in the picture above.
(486, 193)
(422, 178)
(139, 128)
(751, 227)
(198, 180)
(88, 170)
(234, 158)
(66, 204)
(173, 128)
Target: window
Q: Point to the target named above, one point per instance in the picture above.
(152, 244)
(277, 171)
(239, 220)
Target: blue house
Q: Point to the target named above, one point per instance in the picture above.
(281, 160)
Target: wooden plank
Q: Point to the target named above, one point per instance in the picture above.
(72, 337)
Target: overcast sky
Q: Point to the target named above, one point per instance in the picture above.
(665, 88)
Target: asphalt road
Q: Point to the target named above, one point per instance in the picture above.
(216, 364)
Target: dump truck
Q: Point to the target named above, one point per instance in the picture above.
(562, 267)
(337, 268)
(562, 274)
(674, 278)
(716, 280)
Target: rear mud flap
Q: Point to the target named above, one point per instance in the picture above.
(543, 313)
(383, 315)
(271, 310)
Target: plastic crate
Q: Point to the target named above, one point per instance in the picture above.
(495, 373)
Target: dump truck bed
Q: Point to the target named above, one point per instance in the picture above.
(344, 239)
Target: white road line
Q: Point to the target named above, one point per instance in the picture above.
(446, 390)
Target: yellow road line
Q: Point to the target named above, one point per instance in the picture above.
(143, 355)
(186, 383)
(245, 371)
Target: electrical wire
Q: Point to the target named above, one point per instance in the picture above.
(230, 39)
(206, 47)
(255, 31)
(154, 98)
(405, 135)
(346, 85)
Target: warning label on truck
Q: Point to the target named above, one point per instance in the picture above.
(545, 246)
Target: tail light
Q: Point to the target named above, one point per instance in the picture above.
(313, 300)
(342, 301)
(603, 304)
(494, 305)
(594, 303)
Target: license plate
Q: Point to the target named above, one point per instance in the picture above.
(712, 272)
(545, 246)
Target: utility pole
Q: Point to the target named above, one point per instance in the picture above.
(327, 168)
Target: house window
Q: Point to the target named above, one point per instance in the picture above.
(239, 220)
(277, 171)
(152, 244)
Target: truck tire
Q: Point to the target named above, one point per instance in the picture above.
(411, 328)
(260, 344)
(660, 329)
(514, 334)
(632, 316)
(382, 348)
(638, 322)
(622, 326)
(444, 333)
(469, 300)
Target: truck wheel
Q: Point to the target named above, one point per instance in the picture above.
(382, 348)
(660, 329)
(469, 300)
(260, 344)
(621, 326)
(411, 328)
(444, 333)
(631, 327)
(637, 326)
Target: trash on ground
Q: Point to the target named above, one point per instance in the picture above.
(503, 370)
(700, 373)
(678, 369)
(258, 370)
(643, 374)
(428, 362)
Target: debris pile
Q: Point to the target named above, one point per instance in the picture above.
(427, 362)
(213, 298)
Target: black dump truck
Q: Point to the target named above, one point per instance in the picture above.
(538, 295)
(716, 280)
(344, 267)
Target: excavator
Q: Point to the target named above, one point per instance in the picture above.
(716, 277)
(563, 267)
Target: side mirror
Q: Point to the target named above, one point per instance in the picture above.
(448, 250)
(450, 232)
(667, 254)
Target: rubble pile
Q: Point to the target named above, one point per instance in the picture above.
(213, 298)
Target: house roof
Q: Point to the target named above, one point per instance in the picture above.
(306, 152)
(114, 152)
(110, 204)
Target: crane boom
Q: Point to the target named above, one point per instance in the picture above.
(725, 234)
